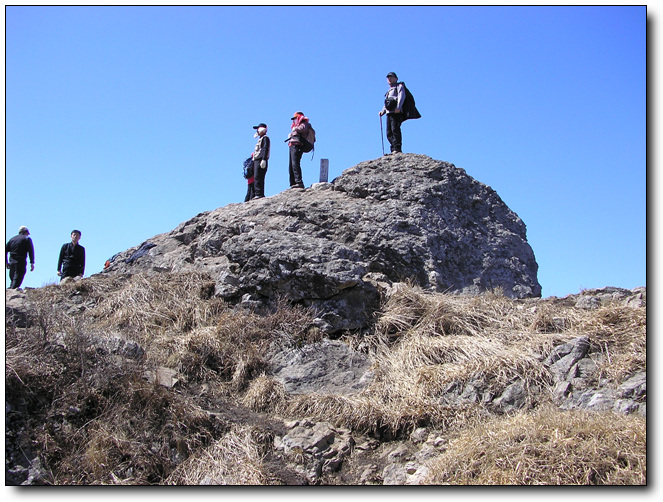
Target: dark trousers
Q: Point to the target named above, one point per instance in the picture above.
(394, 121)
(250, 192)
(68, 271)
(259, 179)
(16, 274)
(295, 165)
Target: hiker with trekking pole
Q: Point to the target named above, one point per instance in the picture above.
(399, 106)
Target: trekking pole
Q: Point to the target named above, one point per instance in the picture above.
(382, 135)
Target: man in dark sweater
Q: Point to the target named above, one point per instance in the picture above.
(72, 257)
(395, 97)
(19, 247)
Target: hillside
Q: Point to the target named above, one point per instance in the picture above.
(382, 329)
(147, 379)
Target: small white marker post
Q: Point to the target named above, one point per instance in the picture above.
(324, 170)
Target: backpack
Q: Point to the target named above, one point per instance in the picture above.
(307, 139)
(248, 168)
(409, 110)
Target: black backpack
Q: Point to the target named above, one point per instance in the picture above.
(409, 110)
(248, 168)
(307, 140)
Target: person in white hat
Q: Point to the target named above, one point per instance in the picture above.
(260, 160)
(18, 248)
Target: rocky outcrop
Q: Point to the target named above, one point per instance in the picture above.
(326, 367)
(319, 448)
(16, 309)
(337, 245)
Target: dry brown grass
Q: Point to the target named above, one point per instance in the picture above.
(437, 339)
(426, 344)
(546, 447)
(234, 348)
(159, 305)
(264, 394)
(235, 459)
(96, 420)
(385, 417)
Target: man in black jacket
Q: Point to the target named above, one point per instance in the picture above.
(393, 108)
(19, 247)
(72, 257)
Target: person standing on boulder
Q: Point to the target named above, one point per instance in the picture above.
(71, 262)
(260, 158)
(393, 107)
(249, 175)
(297, 128)
(19, 247)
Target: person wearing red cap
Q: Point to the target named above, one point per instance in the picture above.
(297, 128)
(393, 107)
(19, 247)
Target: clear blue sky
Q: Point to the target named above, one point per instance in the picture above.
(125, 121)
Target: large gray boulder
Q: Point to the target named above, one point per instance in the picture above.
(336, 246)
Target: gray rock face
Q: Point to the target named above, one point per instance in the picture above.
(572, 367)
(16, 308)
(326, 367)
(321, 447)
(399, 217)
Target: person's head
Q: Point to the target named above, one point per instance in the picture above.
(23, 230)
(297, 116)
(261, 129)
(75, 236)
(392, 78)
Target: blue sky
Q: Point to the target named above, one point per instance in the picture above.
(125, 121)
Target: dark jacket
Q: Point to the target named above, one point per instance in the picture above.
(72, 260)
(19, 247)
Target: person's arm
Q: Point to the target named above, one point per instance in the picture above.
(82, 269)
(264, 152)
(60, 259)
(31, 253)
(384, 107)
(401, 98)
(268, 143)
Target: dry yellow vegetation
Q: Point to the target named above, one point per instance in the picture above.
(90, 415)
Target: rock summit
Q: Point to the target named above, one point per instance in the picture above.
(338, 246)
